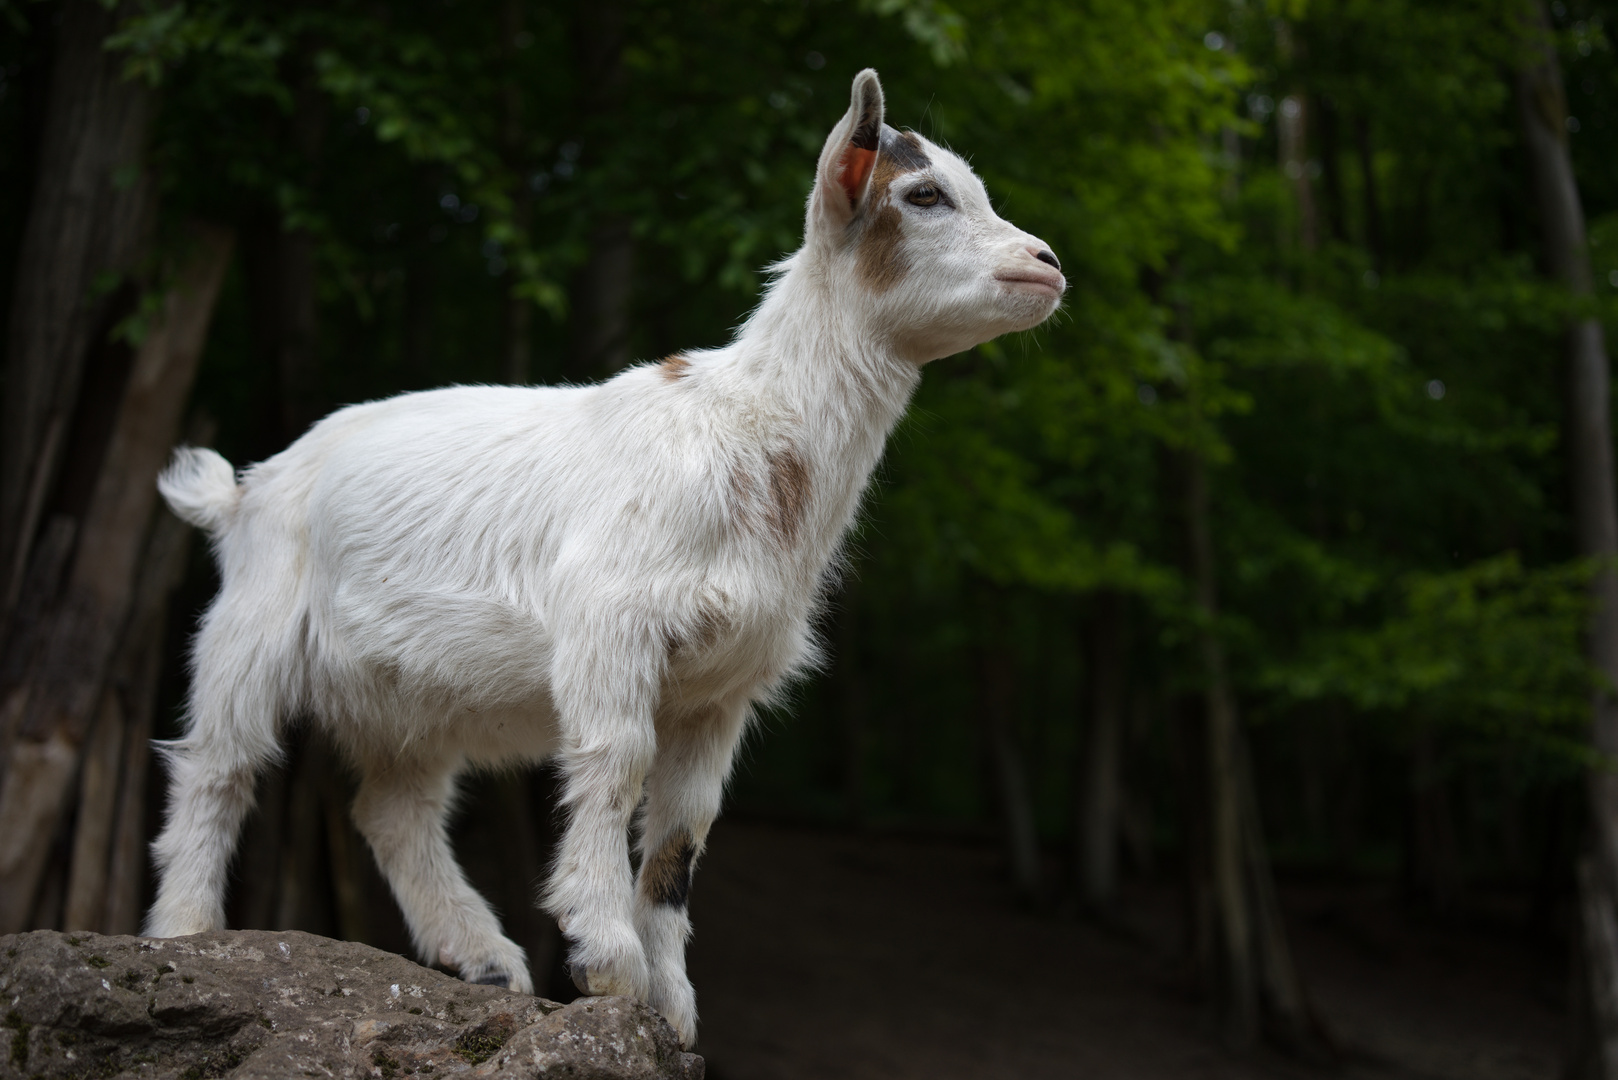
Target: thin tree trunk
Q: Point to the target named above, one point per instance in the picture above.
(63, 684)
(1368, 192)
(126, 870)
(1294, 153)
(1096, 825)
(1542, 107)
(602, 288)
(89, 218)
(349, 864)
(852, 704)
(305, 901)
(109, 841)
(297, 357)
(517, 360)
(1292, 130)
(92, 830)
(1432, 856)
(998, 697)
(601, 295)
(297, 306)
(1234, 977)
(1331, 169)
(1289, 1018)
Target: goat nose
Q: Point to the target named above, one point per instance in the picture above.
(1044, 256)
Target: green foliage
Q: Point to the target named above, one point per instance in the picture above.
(1494, 647)
(1379, 409)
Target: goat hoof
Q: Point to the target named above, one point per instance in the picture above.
(493, 978)
(580, 974)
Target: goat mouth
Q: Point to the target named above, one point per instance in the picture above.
(1052, 283)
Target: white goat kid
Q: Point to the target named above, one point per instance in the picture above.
(612, 574)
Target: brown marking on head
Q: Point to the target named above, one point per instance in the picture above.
(881, 261)
(665, 875)
(674, 367)
(789, 496)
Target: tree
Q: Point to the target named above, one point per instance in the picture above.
(1542, 106)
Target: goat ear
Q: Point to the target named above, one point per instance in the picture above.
(849, 159)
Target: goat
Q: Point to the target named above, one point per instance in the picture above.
(614, 575)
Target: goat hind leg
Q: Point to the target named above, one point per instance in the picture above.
(211, 777)
(401, 810)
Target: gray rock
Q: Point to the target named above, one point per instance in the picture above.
(249, 1004)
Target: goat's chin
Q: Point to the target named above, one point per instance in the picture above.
(1029, 307)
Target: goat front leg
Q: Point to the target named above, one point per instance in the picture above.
(401, 810)
(605, 694)
(683, 793)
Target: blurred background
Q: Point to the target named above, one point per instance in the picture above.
(1219, 677)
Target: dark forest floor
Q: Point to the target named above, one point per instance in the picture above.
(821, 954)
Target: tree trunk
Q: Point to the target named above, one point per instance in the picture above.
(997, 688)
(109, 854)
(1331, 169)
(516, 361)
(1096, 823)
(305, 888)
(1289, 1020)
(599, 342)
(1542, 108)
(1233, 976)
(852, 703)
(1249, 964)
(92, 831)
(297, 356)
(87, 224)
(73, 645)
(601, 294)
(1368, 192)
(1432, 855)
(1293, 143)
(1292, 131)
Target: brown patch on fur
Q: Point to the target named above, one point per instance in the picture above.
(881, 261)
(674, 367)
(711, 623)
(739, 499)
(706, 628)
(789, 495)
(665, 876)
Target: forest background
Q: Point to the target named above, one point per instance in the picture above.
(1264, 553)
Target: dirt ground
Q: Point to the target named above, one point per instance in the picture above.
(840, 955)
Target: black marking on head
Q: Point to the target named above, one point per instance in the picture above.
(665, 876)
(868, 127)
(903, 150)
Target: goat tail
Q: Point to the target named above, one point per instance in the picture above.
(200, 487)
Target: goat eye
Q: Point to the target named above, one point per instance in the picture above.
(926, 195)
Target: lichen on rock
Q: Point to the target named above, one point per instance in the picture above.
(251, 1004)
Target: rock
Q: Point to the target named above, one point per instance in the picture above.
(249, 1004)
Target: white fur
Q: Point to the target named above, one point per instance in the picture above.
(483, 576)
